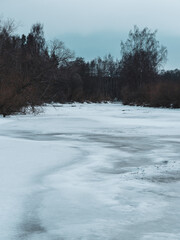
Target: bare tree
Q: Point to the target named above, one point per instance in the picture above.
(63, 54)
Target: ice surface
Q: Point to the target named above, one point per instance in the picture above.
(90, 172)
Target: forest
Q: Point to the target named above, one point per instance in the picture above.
(34, 72)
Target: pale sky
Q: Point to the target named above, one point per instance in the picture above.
(95, 27)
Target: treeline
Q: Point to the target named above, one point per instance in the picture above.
(33, 72)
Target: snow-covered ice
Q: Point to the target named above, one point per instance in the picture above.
(90, 172)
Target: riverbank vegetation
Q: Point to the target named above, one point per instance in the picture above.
(34, 72)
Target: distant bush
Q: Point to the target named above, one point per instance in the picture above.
(165, 94)
(159, 94)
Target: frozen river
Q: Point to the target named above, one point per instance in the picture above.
(90, 172)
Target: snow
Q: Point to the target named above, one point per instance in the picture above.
(90, 172)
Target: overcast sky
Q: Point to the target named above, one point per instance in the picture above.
(95, 27)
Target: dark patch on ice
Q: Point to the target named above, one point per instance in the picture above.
(113, 171)
(31, 224)
(31, 227)
(165, 162)
(163, 194)
(126, 143)
(28, 135)
(165, 179)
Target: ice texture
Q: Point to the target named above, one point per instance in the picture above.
(90, 172)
